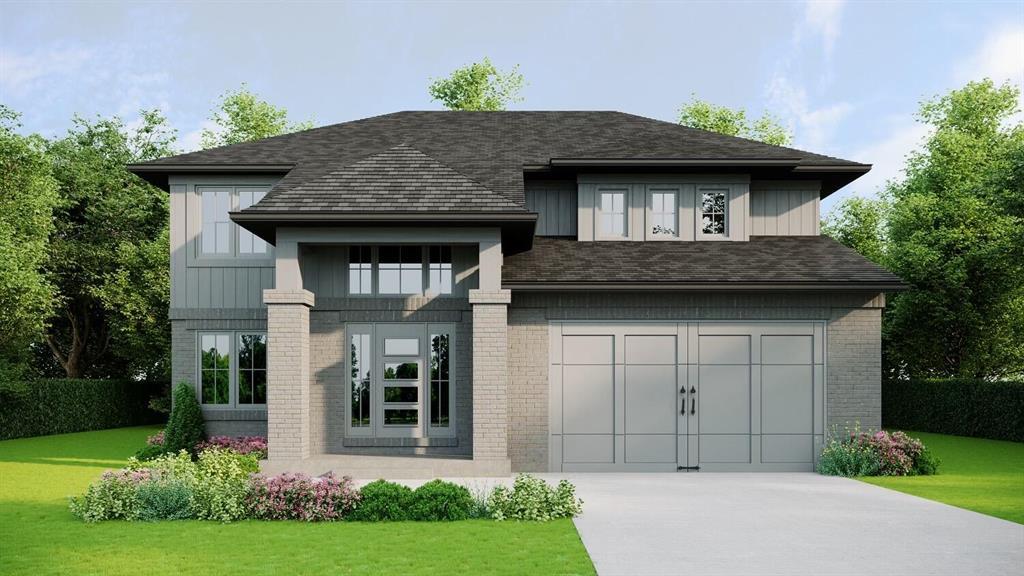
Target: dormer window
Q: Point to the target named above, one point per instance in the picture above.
(612, 218)
(712, 208)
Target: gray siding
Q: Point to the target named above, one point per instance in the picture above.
(785, 208)
(555, 204)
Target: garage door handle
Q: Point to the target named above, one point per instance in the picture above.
(693, 401)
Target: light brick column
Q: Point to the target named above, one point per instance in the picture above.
(490, 373)
(288, 373)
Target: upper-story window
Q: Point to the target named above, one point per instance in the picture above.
(216, 233)
(400, 270)
(440, 264)
(612, 214)
(360, 270)
(713, 212)
(664, 220)
(249, 243)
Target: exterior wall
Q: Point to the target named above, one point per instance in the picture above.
(780, 208)
(554, 201)
(853, 344)
(206, 282)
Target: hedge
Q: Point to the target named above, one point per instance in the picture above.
(961, 407)
(43, 407)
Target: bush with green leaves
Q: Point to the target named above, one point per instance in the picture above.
(168, 499)
(185, 428)
(440, 500)
(961, 407)
(113, 497)
(222, 484)
(531, 498)
(881, 453)
(841, 457)
(381, 500)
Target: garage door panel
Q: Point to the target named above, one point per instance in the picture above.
(588, 400)
(588, 349)
(593, 448)
(787, 448)
(650, 399)
(787, 394)
(723, 399)
(724, 448)
(650, 448)
(650, 349)
(787, 349)
(724, 349)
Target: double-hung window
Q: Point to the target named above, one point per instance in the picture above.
(216, 232)
(612, 214)
(713, 206)
(219, 237)
(232, 369)
(249, 243)
(663, 220)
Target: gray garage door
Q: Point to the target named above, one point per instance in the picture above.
(718, 396)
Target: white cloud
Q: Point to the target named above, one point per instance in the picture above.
(813, 127)
(1000, 57)
(822, 18)
(20, 72)
(888, 156)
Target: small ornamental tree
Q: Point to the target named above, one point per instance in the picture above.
(185, 428)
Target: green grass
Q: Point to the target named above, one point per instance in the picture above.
(39, 536)
(986, 476)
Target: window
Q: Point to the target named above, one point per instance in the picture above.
(400, 270)
(215, 235)
(252, 368)
(249, 243)
(664, 211)
(360, 270)
(361, 361)
(215, 368)
(401, 371)
(613, 214)
(440, 382)
(712, 209)
(440, 266)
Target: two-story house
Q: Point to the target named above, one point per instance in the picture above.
(525, 291)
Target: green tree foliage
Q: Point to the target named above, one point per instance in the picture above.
(478, 86)
(707, 116)
(860, 224)
(185, 427)
(108, 255)
(241, 116)
(954, 230)
(28, 196)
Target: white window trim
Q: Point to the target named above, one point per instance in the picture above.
(651, 190)
(233, 337)
(699, 233)
(626, 192)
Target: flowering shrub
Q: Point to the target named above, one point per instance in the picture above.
(242, 444)
(879, 454)
(299, 497)
(533, 499)
(156, 439)
(112, 497)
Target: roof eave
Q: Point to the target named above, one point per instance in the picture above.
(705, 286)
(157, 174)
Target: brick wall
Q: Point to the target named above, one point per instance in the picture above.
(490, 374)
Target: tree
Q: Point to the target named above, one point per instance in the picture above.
(185, 427)
(859, 223)
(28, 197)
(242, 116)
(478, 86)
(108, 255)
(707, 116)
(954, 231)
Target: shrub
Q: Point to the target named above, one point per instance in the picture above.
(879, 454)
(185, 429)
(169, 499)
(112, 497)
(222, 484)
(154, 447)
(256, 445)
(844, 457)
(299, 497)
(440, 500)
(926, 463)
(59, 406)
(962, 407)
(382, 500)
(533, 499)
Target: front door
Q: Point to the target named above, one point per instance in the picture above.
(399, 380)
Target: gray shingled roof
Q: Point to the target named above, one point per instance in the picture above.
(400, 178)
(764, 260)
(488, 148)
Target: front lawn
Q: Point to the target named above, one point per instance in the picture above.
(38, 535)
(986, 476)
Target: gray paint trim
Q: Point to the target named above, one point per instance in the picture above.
(642, 286)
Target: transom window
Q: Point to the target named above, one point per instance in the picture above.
(360, 270)
(664, 214)
(713, 207)
(232, 369)
(612, 214)
(400, 270)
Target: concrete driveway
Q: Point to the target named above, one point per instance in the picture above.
(783, 524)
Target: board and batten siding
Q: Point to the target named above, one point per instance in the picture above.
(555, 205)
(785, 208)
(206, 282)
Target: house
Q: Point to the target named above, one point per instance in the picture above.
(524, 291)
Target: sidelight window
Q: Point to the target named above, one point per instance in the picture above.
(440, 383)
(361, 360)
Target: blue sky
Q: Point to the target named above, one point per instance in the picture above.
(845, 77)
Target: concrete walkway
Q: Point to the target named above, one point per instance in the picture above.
(706, 524)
